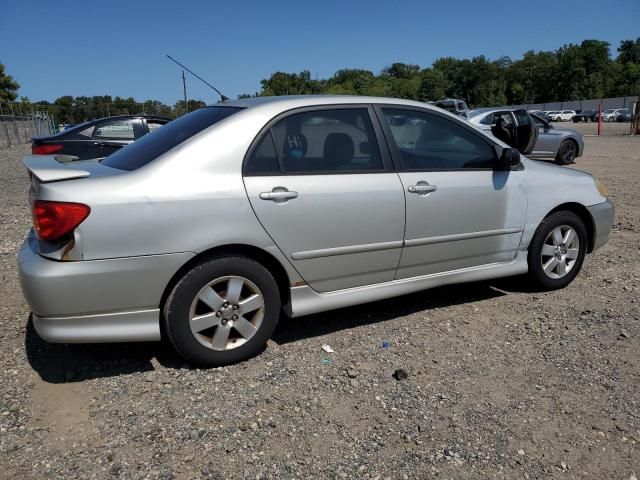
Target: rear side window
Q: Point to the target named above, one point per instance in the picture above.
(149, 147)
(327, 141)
(117, 130)
(263, 160)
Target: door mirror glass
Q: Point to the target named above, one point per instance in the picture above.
(510, 157)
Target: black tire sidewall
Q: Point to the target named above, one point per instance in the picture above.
(554, 220)
(176, 312)
(560, 156)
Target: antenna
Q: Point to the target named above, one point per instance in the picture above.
(222, 97)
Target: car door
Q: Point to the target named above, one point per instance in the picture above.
(526, 132)
(547, 143)
(460, 212)
(111, 135)
(323, 187)
(503, 127)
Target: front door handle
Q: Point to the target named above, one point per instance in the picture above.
(278, 194)
(422, 188)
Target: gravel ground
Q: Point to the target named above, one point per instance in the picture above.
(502, 381)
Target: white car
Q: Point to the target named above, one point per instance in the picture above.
(561, 115)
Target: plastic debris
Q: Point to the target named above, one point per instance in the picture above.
(327, 348)
(326, 361)
(385, 344)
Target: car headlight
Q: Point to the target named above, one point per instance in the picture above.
(601, 187)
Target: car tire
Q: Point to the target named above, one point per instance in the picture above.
(555, 255)
(567, 152)
(222, 311)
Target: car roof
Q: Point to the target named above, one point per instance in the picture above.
(297, 101)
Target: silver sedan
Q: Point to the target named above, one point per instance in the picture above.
(562, 145)
(208, 230)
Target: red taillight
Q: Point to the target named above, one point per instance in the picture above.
(53, 220)
(46, 149)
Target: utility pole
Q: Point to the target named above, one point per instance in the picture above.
(184, 88)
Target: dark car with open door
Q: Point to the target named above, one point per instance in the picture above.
(97, 138)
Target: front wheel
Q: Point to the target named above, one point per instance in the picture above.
(566, 153)
(557, 250)
(223, 311)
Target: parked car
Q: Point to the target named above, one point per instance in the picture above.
(623, 115)
(97, 138)
(611, 114)
(585, 116)
(211, 227)
(561, 115)
(453, 105)
(562, 145)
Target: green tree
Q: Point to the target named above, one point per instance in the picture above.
(8, 87)
(433, 85)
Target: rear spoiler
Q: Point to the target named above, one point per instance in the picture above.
(46, 168)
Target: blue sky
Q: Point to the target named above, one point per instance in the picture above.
(115, 47)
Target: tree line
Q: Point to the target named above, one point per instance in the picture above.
(572, 72)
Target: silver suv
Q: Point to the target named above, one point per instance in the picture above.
(211, 227)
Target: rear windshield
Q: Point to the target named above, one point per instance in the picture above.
(154, 144)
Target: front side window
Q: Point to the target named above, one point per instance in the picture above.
(327, 141)
(425, 141)
(117, 130)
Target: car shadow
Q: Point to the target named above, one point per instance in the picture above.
(294, 329)
(65, 363)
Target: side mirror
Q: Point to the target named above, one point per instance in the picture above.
(510, 157)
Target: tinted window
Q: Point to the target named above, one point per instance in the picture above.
(428, 142)
(327, 141)
(523, 117)
(149, 147)
(263, 160)
(117, 129)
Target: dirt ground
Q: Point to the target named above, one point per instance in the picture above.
(503, 381)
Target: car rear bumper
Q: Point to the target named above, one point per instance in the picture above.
(98, 300)
(602, 216)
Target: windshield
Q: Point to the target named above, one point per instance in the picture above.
(150, 147)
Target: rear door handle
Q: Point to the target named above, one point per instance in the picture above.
(422, 188)
(278, 194)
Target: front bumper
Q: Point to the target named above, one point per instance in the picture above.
(602, 216)
(113, 300)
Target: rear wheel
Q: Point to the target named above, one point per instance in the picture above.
(557, 250)
(223, 311)
(567, 152)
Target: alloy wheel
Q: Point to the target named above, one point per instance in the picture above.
(560, 251)
(226, 313)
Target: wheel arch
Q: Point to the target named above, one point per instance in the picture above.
(255, 253)
(582, 212)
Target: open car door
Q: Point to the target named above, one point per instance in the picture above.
(503, 127)
(527, 132)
